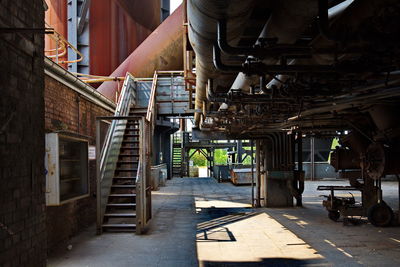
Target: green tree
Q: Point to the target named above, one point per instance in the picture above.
(198, 159)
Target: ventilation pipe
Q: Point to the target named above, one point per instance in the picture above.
(203, 16)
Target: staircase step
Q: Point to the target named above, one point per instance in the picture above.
(120, 226)
(122, 195)
(130, 142)
(138, 110)
(121, 205)
(128, 155)
(123, 186)
(131, 135)
(124, 177)
(120, 215)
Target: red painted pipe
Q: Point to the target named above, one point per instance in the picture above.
(162, 50)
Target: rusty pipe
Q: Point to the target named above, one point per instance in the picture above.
(162, 50)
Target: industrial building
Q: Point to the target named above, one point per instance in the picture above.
(110, 110)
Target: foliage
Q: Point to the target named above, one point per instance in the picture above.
(220, 158)
(198, 159)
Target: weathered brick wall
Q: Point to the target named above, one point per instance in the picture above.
(22, 180)
(62, 106)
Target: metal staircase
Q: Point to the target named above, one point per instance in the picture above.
(120, 214)
(177, 155)
(123, 187)
(124, 158)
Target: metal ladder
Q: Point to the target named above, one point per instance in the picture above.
(177, 155)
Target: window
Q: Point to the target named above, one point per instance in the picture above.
(66, 168)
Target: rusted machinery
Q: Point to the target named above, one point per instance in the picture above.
(367, 155)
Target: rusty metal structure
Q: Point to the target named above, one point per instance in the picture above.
(276, 71)
(162, 50)
(105, 31)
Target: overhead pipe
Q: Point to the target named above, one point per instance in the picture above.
(211, 95)
(243, 81)
(260, 68)
(285, 31)
(323, 20)
(225, 68)
(257, 50)
(202, 17)
(338, 104)
(344, 17)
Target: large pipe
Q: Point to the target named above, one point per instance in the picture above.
(284, 30)
(287, 32)
(162, 50)
(202, 17)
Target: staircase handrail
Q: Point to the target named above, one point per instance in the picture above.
(151, 107)
(108, 152)
(122, 109)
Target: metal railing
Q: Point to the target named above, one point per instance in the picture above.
(108, 153)
(143, 179)
(61, 48)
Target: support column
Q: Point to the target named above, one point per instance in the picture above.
(252, 172)
(258, 173)
(279, 175)
(312, 157)
(239, 149)
(300, 173)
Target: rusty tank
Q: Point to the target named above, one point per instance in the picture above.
(162, 50)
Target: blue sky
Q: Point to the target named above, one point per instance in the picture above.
(174, 4)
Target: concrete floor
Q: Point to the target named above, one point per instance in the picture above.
(200, 222)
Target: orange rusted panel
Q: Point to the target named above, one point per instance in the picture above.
(115, 32)
(56, 17)
(146, 13)
(117, 27)
(162, 50)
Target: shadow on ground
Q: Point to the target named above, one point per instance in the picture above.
(276, 262)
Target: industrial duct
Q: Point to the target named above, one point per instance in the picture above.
(284, 30)
(202, 17)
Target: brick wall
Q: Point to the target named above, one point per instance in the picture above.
(22, 181)
(62, 107)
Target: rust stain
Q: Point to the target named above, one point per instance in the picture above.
(162, 50)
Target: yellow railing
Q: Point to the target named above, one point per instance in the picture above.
(61, 48)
